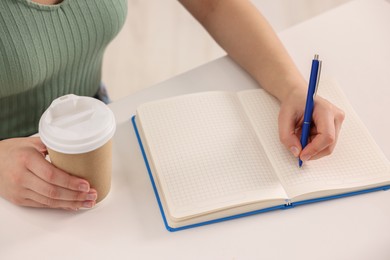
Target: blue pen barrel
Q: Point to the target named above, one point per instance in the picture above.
(311, 91)
(314, 77)
(305, 133)
(313, 82)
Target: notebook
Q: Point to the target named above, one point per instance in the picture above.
(214, 156)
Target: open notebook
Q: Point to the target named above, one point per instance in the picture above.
(214, 156)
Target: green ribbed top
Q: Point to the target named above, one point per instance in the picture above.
(50, 51)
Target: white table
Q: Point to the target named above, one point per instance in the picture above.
(354, 43)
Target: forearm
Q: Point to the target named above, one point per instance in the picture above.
(248, 38)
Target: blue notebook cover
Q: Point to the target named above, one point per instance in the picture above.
(287, 205)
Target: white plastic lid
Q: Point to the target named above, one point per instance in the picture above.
(74, 124)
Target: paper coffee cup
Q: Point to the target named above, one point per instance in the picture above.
(77, 132)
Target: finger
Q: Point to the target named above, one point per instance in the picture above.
(326, 151)
(51, 191)
(31, 203)
(337, 125)
(288, 133)
(51, 174)
(36, 199)
(322, 143)
(38, 145)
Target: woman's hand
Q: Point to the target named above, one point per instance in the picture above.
(325, 128)
(28, 179)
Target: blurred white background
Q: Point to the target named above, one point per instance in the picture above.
(160, 39)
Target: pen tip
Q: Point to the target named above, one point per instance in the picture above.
(300, 163)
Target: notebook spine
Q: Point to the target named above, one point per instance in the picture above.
(288, 204)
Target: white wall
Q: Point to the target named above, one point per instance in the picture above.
(160, 39)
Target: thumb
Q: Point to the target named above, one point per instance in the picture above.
(39, 145)
(287, 134)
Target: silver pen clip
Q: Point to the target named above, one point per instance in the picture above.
(318, 74)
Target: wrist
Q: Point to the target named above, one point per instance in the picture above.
(283, 88)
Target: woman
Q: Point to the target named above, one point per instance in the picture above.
(50, 48)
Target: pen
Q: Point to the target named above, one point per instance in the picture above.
(312, 90)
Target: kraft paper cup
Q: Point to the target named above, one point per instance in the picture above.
(77, 132)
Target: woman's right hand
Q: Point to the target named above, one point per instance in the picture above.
(28, 179)
(326, 126)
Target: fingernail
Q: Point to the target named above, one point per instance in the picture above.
(295, 151)
(88, 204)
(84, 187)
(305, 157)
(91, 196)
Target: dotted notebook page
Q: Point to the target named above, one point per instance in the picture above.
(205, 153)
(356, 160)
